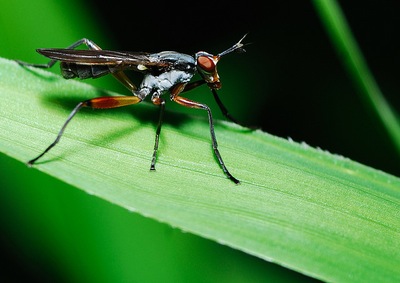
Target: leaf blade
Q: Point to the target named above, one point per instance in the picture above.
(293, 207)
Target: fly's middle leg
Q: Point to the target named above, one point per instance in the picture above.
(161, 102)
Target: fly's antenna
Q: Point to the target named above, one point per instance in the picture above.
(237, 47)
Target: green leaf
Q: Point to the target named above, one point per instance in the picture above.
(336, 25)
(306, 209)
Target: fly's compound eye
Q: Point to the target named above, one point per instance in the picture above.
(206, 64)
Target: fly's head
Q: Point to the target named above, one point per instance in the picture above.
(207, 68)
(207, 64)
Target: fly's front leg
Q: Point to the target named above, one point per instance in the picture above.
(221, 106)
(193, 104)
(193, 85)
(90, 44)
(224, 110)
(99, 103)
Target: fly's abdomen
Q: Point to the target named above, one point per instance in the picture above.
(73, 70)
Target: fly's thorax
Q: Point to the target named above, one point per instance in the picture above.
(172, 56)
(163, 82)
(175, 61)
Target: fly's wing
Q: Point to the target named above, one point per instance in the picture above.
(139, 61)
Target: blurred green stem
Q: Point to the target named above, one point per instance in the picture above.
(336, 25)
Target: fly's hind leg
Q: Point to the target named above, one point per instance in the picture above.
(99, 103)
(120, 75)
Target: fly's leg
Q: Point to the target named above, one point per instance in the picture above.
(161, 102)
(122, 78)
(193, 104)
(193, 85)
(99, 103)
(224, 110)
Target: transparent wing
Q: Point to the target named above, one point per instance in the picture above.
(102, 57)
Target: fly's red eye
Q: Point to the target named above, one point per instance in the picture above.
(206, 63)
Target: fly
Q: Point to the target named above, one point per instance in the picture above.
(166, 71)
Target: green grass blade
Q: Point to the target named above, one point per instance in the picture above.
(317, 213)
(341, 36)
